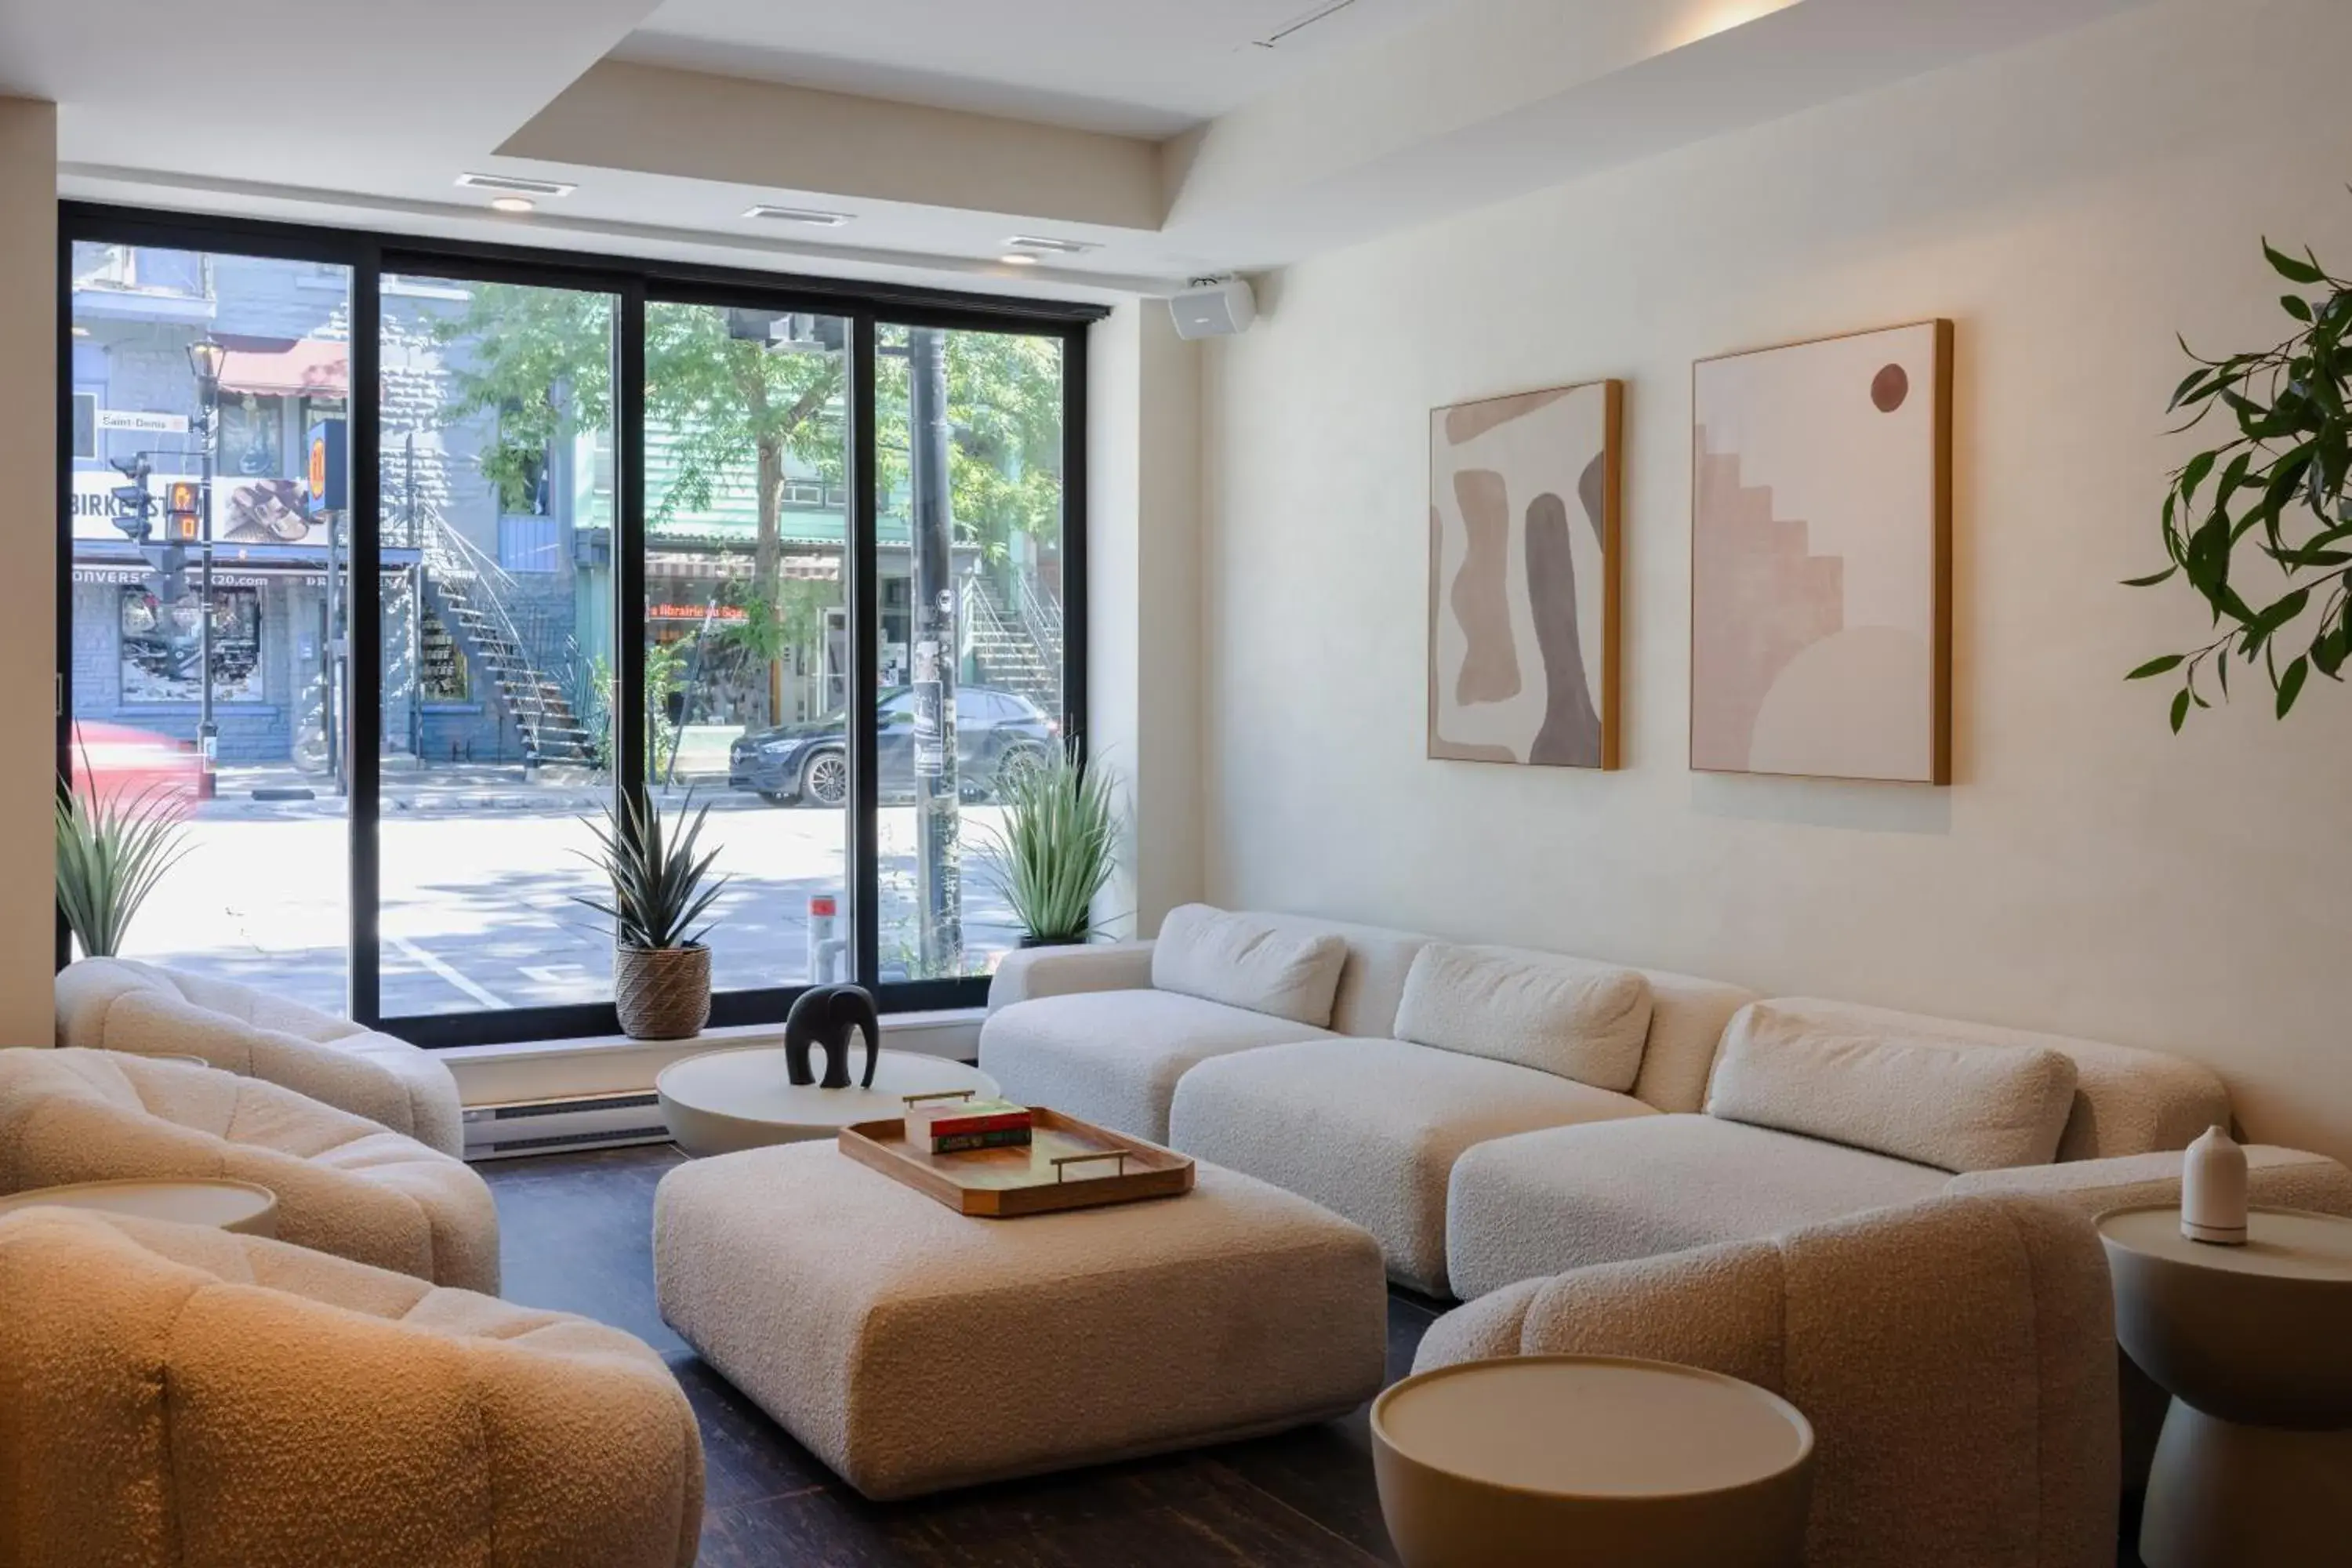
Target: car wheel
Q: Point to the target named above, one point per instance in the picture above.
(825, 779)
(1016, 761)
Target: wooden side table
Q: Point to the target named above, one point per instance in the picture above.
(1581, 1461)
(2255, 1344)
(238, 1206)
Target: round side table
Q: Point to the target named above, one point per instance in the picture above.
(721, 1101)
(2255, 1344)
(1591, 1460)
(237, 1206)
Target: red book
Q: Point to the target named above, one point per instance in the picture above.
(956, 1119)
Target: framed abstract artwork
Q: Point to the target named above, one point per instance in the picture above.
(1523, 601)
(1820, 558)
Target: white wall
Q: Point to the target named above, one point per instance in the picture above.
(28, 531)
(1143, 581)
(2070, 205)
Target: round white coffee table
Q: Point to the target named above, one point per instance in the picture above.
(724, 1100)
(239, 1206)
(2255, 1344)
(1591, 1460)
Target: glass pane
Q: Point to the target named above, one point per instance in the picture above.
(210, 595)
(497, 643)
(969, 448)
(746, 627)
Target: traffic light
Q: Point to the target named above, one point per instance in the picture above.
(169, 580)
(182, 512)
(133, 505)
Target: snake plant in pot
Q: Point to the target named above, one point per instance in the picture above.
(112, 851)
(661, 967)
(1058, 846)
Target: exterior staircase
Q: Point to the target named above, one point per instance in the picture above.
(465, 585)
(1017, 648)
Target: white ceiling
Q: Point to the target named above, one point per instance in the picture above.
(1131, 68)
(1150, 126)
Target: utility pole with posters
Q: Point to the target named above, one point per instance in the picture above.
(205, 360)
(938, 879)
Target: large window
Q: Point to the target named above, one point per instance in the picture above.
(579, 528)
(203, 651)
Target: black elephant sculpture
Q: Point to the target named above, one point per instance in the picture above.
(825, 1015)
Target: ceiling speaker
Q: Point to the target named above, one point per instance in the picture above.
(1213, 308)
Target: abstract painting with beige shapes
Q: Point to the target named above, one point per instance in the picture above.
(1820, 558)
(1523, 558)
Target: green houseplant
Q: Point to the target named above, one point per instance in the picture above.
(2261, 526)
(1058, 846)
(661, 967)
(112, 851)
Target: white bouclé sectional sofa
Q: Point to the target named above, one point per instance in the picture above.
(1499, 1114)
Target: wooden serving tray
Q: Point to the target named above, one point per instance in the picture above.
(1068, 1164)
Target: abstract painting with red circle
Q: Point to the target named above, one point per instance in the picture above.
(1821, 507)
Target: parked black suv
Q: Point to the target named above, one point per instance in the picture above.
(807, 763)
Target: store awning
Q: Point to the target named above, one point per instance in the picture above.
(306, 367)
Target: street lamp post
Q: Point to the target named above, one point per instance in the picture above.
(206, 358)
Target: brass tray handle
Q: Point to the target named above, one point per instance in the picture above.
(1062, 1162)
(936, 1094)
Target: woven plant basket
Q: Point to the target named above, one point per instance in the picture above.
(663, 993)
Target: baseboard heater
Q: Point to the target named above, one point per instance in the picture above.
(557, 1126)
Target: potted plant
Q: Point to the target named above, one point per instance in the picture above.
(1058, 846)
(2267, 546)
(112, 851)
(661, 967)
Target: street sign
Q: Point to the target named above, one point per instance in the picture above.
(142, 423)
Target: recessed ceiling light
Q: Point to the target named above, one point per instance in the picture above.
(1013, 258)
(516, 185)
(513, 204)
(812, 216)
(1052, 246)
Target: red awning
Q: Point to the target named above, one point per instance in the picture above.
(307, 366)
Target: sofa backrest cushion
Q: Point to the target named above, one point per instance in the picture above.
(2127, 1101)
(1249, 960)
(1569, 1017)
(1687, 1016)
(1915, 1094)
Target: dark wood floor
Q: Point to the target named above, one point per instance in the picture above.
(577, 1235)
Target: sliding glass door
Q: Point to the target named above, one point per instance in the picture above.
(969, 660)
(496, 642)
(804, 562)
(746, 627)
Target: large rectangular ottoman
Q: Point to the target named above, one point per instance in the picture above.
(913, 1349)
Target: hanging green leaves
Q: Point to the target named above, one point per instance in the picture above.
(2277, 521)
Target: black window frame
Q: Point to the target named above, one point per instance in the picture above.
(635, 282)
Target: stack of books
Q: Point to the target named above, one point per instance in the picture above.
(953, 1127)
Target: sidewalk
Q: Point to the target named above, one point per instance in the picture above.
(245, 794)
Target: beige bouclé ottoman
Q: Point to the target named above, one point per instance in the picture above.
(913, 1349)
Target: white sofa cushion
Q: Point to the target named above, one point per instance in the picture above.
(1543, 1203)
(1547, 1011)
(1931, 1097)
(1371, 1128)
(2127, 1101)
(1113, 1058)
(1249, 960)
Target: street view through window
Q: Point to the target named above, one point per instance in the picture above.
(211, 653)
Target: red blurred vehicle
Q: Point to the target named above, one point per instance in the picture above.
(116, 762)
